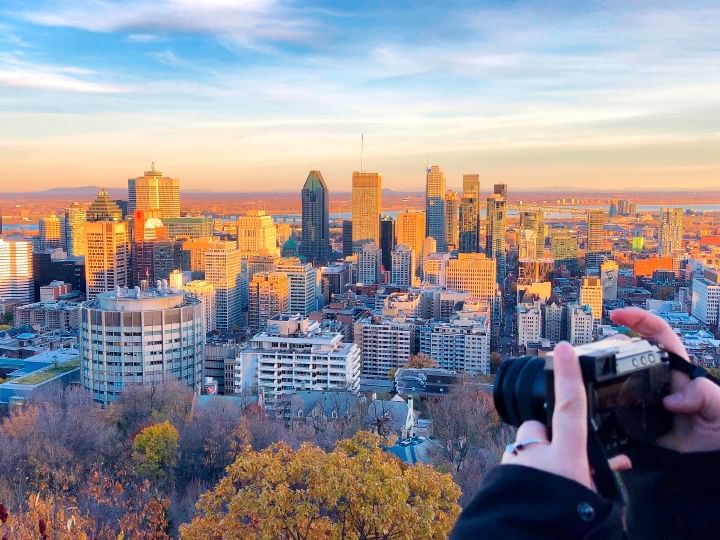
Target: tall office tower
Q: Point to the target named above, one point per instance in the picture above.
(75, 219)
(527, 245)
(387, 241)
(205, 292)
(452, 225)
(303, 284)
(500, 190)
(475, 273)
(131, 336)
(50, 233)
(670, 231)
(16, 270)
(410, 230)
(591, 294)
(403, 266)
(495, 234)
(596, 230)
(435, 206)
(581, 324)
(315, 198)
(107, 260)
(534, 220)
(154, 191)
(385, 344)
(269, 296)
(152, 254)
(193, 255)
(435, 269)
(260, 263)
(609, 276)
(564, 247)
(626, 207)
(429, 246)
(471, 185)
(529, 321)
(370, 264)
(294, 354)
(366, 206)
(103, 208)
(256, 234)
(223, 269)
(189, 227)
(469, 223)
(347, 242)
(705, 300)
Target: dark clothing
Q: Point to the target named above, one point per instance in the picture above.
(671, 496)
(518, 502)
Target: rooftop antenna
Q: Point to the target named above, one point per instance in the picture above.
(362, 148)
(153, 166)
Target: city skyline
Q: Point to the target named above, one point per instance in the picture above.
(231, 97)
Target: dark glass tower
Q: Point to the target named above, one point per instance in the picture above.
(315, 241)
(347, 243)
(387, 241)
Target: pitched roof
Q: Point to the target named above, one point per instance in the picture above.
(315, 182)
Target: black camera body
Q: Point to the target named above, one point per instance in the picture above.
(625, 380)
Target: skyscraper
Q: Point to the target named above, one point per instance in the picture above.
(16, 270)
(369, 264)
(410, 230)
(596, 230)
(591, 294)
(108, 256)
(152, 255)
(103, 208)
(534, 220)
(205, 292)
(435, 206)
(256, 234)
(469, 223)
(315, 198)
(387, 241)
(403, 266)
(154, 191)
(50, 233)
(269, 296)
(366, 206)
(303, 284)
(223, 269)
(670, 231)
(452, 204)
(495, 234)
(501, 190)
(75, 219)
(471, 185)
(347, 238)
(564, 246)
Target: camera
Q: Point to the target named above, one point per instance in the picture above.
(625, 380)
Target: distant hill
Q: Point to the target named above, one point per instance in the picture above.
(83, 192)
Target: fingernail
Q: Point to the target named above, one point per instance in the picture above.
(674, 399)
(563, 349)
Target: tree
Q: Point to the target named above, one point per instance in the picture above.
(468, 434)
(142, 404)
(421, 360)
(357, 490)
(495, 361)
(155, 451)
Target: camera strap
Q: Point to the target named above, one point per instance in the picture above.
(678, 363)
(607, 482)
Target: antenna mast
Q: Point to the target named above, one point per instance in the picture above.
(362, 148)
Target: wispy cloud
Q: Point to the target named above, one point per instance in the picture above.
(20, 73)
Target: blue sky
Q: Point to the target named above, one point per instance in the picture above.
(230, 94)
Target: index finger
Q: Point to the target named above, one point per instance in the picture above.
(569, 421)
(650, 326)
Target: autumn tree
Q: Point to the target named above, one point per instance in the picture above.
(421, 360)
(155, 451)
(357, 490)
(495, 361)
(140, 405)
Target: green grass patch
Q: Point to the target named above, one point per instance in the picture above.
(49, 373)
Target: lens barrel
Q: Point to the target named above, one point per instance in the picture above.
(520, 392)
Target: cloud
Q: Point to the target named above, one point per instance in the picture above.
(241, 21)
(19, 73)
(142, 38)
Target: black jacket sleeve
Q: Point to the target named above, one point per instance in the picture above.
(518, 502)
(673, 495)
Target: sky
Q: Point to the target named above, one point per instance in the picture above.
(246, 95)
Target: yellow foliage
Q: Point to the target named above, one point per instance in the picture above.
(155, 449)
(355, 491)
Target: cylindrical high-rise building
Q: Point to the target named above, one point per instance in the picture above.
(133, 336)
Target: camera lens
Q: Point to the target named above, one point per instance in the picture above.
(519, 392)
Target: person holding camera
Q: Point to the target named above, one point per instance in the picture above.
(545, 487)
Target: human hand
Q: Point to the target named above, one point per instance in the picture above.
(695, 403)
(566, 455)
